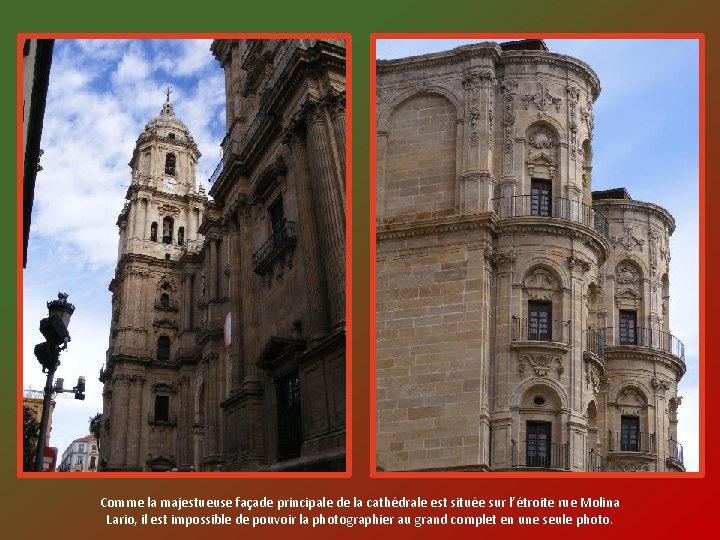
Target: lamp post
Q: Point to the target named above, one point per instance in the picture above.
(54, 330)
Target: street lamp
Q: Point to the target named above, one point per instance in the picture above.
(54, 330)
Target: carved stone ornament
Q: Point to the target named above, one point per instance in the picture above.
(626, 274)
(578, 263)
(541, 137)
(660, 385)
(542, 98)
(169, 210)
(540, 363)
(592, 379)
(587, 115)
(630, 402)
(632, 467)
(541, 279)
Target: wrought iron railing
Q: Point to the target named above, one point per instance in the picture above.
(283, 235)
(541, 455)
(595, 462)
(524, 330)
(558, 207)
(594, 342)
(168, 419)
(645, 337)
(216, 172)
(632, 442)
(675, 451)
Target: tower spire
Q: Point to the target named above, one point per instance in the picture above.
(167, 93)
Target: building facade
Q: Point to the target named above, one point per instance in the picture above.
(33, 399)
(81, 455)
(227, 343)
(522, 319)
(37, 60)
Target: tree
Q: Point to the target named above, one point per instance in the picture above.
(95, 424)
(31, 431)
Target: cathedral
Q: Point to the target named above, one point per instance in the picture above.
(522, 318)
(227, 340)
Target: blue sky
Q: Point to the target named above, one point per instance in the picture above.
(101, 95)
(646, 139)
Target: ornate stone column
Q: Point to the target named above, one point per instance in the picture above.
(337, 113)
(235, 294)
(132, 217)
(213, 405)
(135, 420)
(327, 191)
(118, 422)
(317, 324)
(187, 300)
(249, 318)
(213, 267)
(509, 89)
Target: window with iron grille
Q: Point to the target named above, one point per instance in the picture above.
(289, 415)
(540, 198)
(630, 433)
(538, 444)
(628, 327)
(539, 320)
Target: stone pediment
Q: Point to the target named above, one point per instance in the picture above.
(541, 165)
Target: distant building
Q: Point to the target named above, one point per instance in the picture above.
(227, 340)
(81, 455)
(522, 319)
(34, 400)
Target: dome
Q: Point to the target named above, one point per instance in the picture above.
(166, 124)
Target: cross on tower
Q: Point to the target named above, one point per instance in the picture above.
(168, 92)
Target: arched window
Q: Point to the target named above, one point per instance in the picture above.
(181, 235)
(167, 230)
(153, 231)
(163, 349)
(170, 164)
(164, 300)
(171, 135)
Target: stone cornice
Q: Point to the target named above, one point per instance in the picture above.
(622, 353)
(408, 229)
(459, 54)
(492, 51)
(557, 227)
(649, 208)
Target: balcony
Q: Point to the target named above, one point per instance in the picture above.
(282, 237)
(558, 208)
(541, 455)
(675, 455)
(632, 442)
(645, 337)
(216, 173)
(162, 420)
(595, 462)
(524, 329)
(594, 347)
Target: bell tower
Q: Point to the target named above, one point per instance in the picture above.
(152, 299)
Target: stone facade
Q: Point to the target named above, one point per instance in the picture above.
(227, 345)
(522, 320)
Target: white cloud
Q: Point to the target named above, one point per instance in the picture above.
(101, 95)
